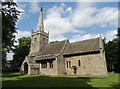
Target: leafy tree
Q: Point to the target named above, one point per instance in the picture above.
(20, 52)
(118, 37)
(9, 18)
(112, 50)
(111, 54)
(117, 66)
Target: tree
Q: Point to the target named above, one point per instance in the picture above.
(118, 37)
(112, 52)
(117, 66)
(20, 52)
(9, 18)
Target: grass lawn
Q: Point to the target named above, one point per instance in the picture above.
(17, 80)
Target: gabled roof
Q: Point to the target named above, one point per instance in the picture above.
(52, 48)
(50, 51)
(89, 45)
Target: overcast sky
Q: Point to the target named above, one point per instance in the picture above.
(69, 20)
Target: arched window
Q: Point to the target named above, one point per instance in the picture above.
(68, 64)
(79, 64)
(51, 64)
(44, 65)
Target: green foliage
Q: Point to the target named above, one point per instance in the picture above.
(20, 52)
(112, 50)
(9, 18)
(118, 35)
(24, 42)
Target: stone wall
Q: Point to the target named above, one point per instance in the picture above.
(60, 65)
(34, 70)
(91, 65)
(22, 66)
(48, 70)
(38, 40)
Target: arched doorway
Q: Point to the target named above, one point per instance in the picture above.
(25, 68)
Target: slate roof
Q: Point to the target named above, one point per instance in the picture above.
(52, 48)
(89, 45)
(45, 57)
(50, 51)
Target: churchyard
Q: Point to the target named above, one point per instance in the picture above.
(17, 80)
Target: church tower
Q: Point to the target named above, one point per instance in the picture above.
(39, 37)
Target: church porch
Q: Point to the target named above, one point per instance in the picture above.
(47, 66)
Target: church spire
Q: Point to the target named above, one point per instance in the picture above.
(40, 22)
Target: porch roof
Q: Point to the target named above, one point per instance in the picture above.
(45, 57)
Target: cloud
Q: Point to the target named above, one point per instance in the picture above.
(110, 35)
(63, 5)
(56, 24)
(83, 18)
(58, 38)
(21, 7)
(34, 7)
(85, 15)
(88, 15)
(21, 34)
(69, 10)
(79, 37)
(107, 15)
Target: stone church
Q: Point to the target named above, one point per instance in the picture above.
(85, 58)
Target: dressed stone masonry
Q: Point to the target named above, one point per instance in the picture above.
(85, 58)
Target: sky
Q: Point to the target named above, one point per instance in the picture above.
(75, 21)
